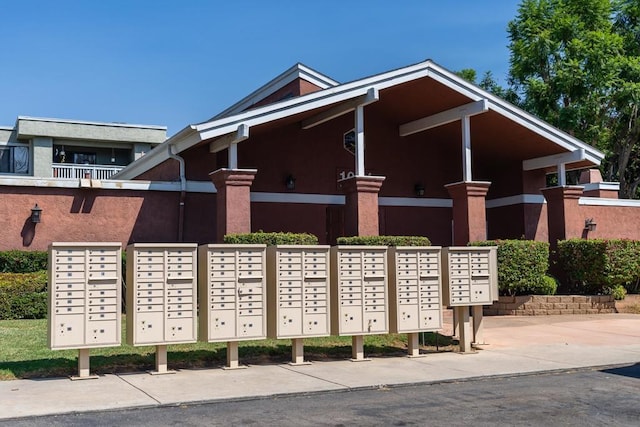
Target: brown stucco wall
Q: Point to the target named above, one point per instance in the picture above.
(86, 215)
(612, 222)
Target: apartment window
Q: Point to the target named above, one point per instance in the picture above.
(14, 159)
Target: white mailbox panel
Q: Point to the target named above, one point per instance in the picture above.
(161, 293)
(297, 291)
(470, 275)
(359, 302)
(232, 292)
(85, 288)
(415, 303)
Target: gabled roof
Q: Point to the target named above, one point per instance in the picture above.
(194, 134)
(298, 71)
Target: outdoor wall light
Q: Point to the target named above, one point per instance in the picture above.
(590, 224)
(36, 214)
(290, 182)
(419, 189)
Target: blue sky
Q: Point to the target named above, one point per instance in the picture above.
(174, 63)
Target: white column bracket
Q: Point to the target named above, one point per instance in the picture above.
(231, 141)
(341, 109)
(444, 117)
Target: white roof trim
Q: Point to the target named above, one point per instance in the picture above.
(80, 122)
(110, 184)
(612, 186)
(597, 201)
(297, 71)
(187, 138)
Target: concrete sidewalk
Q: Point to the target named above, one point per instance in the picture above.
(516, 345)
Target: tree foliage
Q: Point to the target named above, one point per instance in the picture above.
(576, 64)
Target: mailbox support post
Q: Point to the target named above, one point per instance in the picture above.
(357, 349)
(84, 372)
(297, 352)
(478, 325)
(464, 328)
(161, 361)
(232, 356)
(413, 345)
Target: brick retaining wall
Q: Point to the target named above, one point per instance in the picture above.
(536, 305)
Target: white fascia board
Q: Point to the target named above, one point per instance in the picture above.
(519, 199)
(82, 122)
(554, 160)
(515, 114)
(186, 137)
(314, 199)
(444, 117)
(415, 202)
(598, 201)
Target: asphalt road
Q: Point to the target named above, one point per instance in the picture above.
(574, 398)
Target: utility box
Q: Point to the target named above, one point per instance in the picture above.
(232, 292)
(298, 291)
(359, 290)
(85, 285)
(470, 275)
(161, 293)
(415, 301)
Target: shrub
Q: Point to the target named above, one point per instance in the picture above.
(385, 240)
(618, 292)
(593, 265)
(23, 261)
(522, 267)
(272, 238)
(23, 295)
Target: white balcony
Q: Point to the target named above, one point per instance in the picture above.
(70, 170)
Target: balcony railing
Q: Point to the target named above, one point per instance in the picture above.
(70, 170)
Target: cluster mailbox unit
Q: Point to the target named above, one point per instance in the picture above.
(470, 279)
(298, 294)
(232, 294)
(359, 293)
(84, 298)
(415, 301)
(161, 296)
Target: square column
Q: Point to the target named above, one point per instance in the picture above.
(361, 205)
(233, 200)
(469, 211)
(563, 213)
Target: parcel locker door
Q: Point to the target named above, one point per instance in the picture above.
(350, 320)
(222, 324)
(149, 328)
(179, 330)
(102, 332)
(408, 318)
(68, 330)
(289, 322)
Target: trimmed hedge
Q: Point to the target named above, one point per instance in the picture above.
(522, 267)
(23, 261)
(271, 238)
(23, 295)
(385, 240)
(596, 265)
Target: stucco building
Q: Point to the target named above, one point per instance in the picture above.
(416, 150)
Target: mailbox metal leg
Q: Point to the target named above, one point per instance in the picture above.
(161, 361)
(357, 349)
(232, 356)
(465, 329)
(413, 345)
(456, 324)
(84, 372)
(297, 352)
(478, 326)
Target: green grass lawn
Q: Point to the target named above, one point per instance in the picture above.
(24, 352)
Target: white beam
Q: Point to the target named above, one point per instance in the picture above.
(344, 108)
(562, 175)
(241, 133)
(466, 149)
(359, 130)
(554, 160)
(444, 117)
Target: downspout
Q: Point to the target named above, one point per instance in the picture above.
(183, 191)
